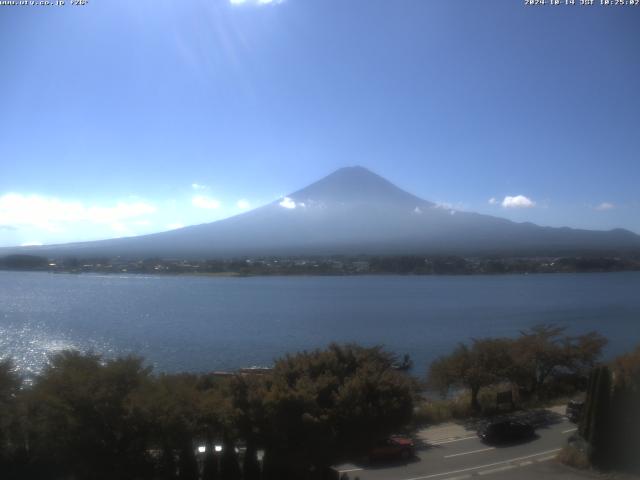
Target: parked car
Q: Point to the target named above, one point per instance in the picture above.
(574, 410)
(506, 431)
(391, 448)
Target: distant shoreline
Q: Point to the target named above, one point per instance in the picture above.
(313, 275)
(327, 266)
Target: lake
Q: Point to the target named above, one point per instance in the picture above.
(214, 323)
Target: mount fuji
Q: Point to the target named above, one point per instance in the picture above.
(352, 211)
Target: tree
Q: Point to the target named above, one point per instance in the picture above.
(611, 417)
(251, 466)
(81, 417)
(210, 467)
(543, 351)
(170, 404)
(625, 411)
(188, 465)
(229, 465)
(10, 383)
(323, 404)
(627, 370)
(24, 262)
(481, 364)
(595, 424)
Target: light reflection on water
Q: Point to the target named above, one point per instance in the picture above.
(204, 323)
(31, 345)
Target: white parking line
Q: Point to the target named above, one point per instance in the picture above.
(544, 459)
(570, 430)
(496, 470)
(443, 442)
(349, 470)
(511, 460)
(469, 453)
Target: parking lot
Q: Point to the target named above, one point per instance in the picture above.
(454, 451)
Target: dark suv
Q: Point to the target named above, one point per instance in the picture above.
(506, 431)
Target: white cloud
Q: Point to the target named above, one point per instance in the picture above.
(287, 203)
(243, 204)
(444, 205)
(519, 201)
(417, 210)
(51, 213)
(198, 186)
(174, 226)
(31, 244)
(493, 201)
(202, 201)
(605, 206)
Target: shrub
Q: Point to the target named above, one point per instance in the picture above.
(574, 457)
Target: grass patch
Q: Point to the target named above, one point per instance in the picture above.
(433, 411)
(438, 411)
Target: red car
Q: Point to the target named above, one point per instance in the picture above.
(394, 447)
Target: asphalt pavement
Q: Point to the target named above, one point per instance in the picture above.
(454, 452)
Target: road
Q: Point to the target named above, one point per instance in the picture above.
(455, 452)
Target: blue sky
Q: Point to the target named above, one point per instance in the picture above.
(122, 118)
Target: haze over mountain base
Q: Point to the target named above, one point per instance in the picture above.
(352, 211)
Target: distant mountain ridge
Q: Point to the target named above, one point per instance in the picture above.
(352, 211)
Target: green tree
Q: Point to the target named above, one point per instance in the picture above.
(210, 469)
(544, 351)
(81, 417)
(251, 466)
(611, 418)
(483, 363)
(10, 383)
(229, 465)
(324, 404)
(625, 411)
(188, 465)
(170, 404)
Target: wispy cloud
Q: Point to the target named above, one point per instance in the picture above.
(202, 201)
(52, 213)
(31, 244)
(450, 206)
(519, 201)
(287, 203)
(198, 186)
(444, 205)
(493, 201)
(174, 226)
(605, 206)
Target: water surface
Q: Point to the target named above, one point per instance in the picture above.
(211, 323)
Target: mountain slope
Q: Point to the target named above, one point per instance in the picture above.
(353, 211)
